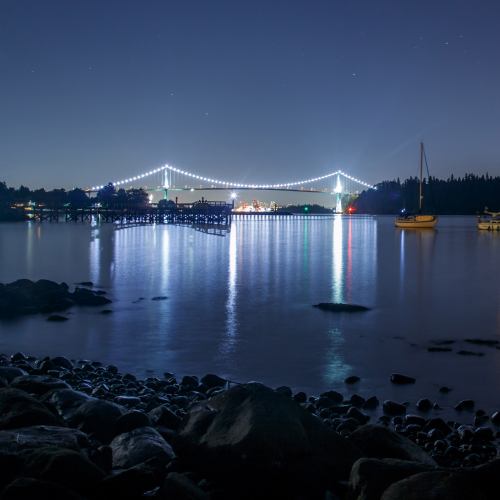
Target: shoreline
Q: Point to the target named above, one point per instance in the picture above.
(110, 408)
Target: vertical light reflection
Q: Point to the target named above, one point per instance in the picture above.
(95, 255)
(337, 260)
(335, 369)
(229, 342)
(402, 264)
(165, 257)
(349, 263)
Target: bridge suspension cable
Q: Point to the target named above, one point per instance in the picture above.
(234, 184)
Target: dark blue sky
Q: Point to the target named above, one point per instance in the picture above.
(255, 91)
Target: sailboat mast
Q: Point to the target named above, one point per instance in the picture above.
(421, 158)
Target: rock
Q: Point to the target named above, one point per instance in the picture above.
(286, 391)
(128, 483)
(67, 467)
(415, 419)
(424, 405)
(301, 397)
(357, 415)
(85, 283)
(139, 445)
(131, 421)
(35, 489)
(164, 417)
(333, 307)
(62, 361)
(324, 402)
(484, 433)
(335, 396)
(93, 300)
(21, 443)
(18, 409)
(128, 401)
(159, 298)
(377, 441)
(486, 476)
(34, 384)
(251, 429)
(10, 373)
(99, 417)
(56, 318)
(190, 381)
(437, 423)
(106, 311)
(18, 356)
(211, 380)
(394, 408)
(468, 404)
(179, 487)
(495, 418)
(66, 401)
(370, 403)
(434, 486)
(352, 379)
(370, 477)
(444, 389)
(397, 378)
(435, 435)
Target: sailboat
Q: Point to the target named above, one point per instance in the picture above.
(418, 220)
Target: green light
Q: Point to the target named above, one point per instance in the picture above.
(306, 209)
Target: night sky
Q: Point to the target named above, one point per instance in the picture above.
(248, 91)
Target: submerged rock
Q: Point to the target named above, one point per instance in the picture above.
(337, 307)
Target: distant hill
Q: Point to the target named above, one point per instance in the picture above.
(302, 209)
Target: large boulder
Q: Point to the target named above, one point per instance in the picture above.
(67, 467)
(253, 431)
(21, 443)
(178, 486)
(34, 489)
(434, 486)
(377, 441)
(370, 477)
(164, 417)
(66, 401)
(99, 417)
(18, 409)
(128, 483)
(139, 445)
(9, 373)
(36, 384)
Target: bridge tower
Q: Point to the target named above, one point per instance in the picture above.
(165, 186)
(338, 190)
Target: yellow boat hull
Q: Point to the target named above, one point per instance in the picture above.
(417, 222)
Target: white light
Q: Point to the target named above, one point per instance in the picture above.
(233, 195)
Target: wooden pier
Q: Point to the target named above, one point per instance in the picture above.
(201, 212)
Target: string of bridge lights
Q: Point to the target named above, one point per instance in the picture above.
(234, 184)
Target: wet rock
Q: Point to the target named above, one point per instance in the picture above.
(360, 417)
(397, 378)
(467, 404)
(35, 489)
(495, 418)
(179, 487)
(57, 318)
(435, 435)
(106, 311)
(334, 307)
(18, 356)
(352, 379)
(424, 405)
(131, 421)
(484, 433)
(415, 419)
(250, 429)
(34, 384)
(128, 483)
(164, 417)
(63, 362)
(66, 401)
(92, 300)
(376, 441)
(445, 389)
(133, 448)
(439, 349)
(356, 401)
(159, 298)
(370, 403)
(370, 477)
(99, 417)
(437, 423)
(286, 391)
(21, 443)
(434, 485)
(483, 342)
(335, 396)
(394, 408)
(18, 409)
(66, 467)
(211, 381)
(85, 283)
(470, 353)
(10, 373)
(190, 381)
(301, 397)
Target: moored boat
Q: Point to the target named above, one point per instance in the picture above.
(491, 223)
(418, 221)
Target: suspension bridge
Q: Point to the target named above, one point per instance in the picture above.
(172, 179)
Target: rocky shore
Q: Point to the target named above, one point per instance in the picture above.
(75, 429)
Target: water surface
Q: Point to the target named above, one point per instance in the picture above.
(240, 305)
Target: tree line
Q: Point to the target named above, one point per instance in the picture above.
(465, 195)
(107, 196)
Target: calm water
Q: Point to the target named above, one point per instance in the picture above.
(240, 304)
